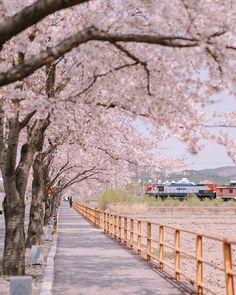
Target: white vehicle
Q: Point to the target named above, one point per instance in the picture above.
(2, 194)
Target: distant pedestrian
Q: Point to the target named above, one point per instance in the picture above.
(70, 201)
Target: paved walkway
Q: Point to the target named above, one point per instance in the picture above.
(89, 262)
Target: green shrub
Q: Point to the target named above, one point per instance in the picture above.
(114, 197)
(151, 200)
(192, 200)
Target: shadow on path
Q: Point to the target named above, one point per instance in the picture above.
(89, 262)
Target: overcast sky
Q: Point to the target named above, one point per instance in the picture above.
(213, 155)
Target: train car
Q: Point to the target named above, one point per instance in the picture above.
(227, 192)
(181, 190)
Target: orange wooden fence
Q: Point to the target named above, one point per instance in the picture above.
(130, 232)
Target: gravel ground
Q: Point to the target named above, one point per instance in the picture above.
(36, 271)
(219, 222)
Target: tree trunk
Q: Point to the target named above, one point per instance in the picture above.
(35, 228)
(14, 248)
(47, 211)
(56, 202)
(14, 208)
(15, 181)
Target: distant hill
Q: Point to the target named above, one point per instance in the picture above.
(217, 175)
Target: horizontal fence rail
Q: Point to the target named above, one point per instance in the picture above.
(138, 235)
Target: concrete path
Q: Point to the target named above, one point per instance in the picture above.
(89, 262)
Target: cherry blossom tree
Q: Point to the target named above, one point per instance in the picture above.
(144, 38)
(15, 181)
(89, 154)
(101, 64)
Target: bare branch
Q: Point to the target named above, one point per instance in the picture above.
(26, 120)
(138, 61)
(31, 15)
(191, 18)
(58, 173)
(218, 34)
(114, 105)
(35, 62)
(216, 60)
(116, 158)
(122, 133)
(96, 76)
(77, 178)
(219, 126)
(231, 47)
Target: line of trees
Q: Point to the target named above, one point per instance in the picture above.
(74, 81)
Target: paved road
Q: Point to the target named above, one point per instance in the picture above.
(89, 262)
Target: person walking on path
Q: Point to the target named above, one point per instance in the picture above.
(70, 201)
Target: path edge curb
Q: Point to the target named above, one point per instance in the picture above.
(46, 287)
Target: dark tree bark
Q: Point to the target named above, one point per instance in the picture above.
(47, 184)
(35, 228)
(14, 208)
(15, 181)
(55, 203)
(14, 247)
(47, 212)
(31, 15)
(40, 182)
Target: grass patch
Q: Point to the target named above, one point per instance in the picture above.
(114, 197)
(126, 200)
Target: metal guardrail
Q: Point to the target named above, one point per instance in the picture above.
(129, 231)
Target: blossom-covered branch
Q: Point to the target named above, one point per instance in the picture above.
(33, 63)
(31, 15)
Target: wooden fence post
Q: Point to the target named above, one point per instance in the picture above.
(199, 273)
(177, 254)
(111, 224)
(228, 268)
(99, 218)
(93, 216)
(104, 221)
(125, 230)
(119, 228)
(108, 223)
(139, 237)
(149, 241)
(161, 246)
(115, 225)
(131, 233)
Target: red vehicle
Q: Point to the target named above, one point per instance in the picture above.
(149, 187)
(227, 192)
